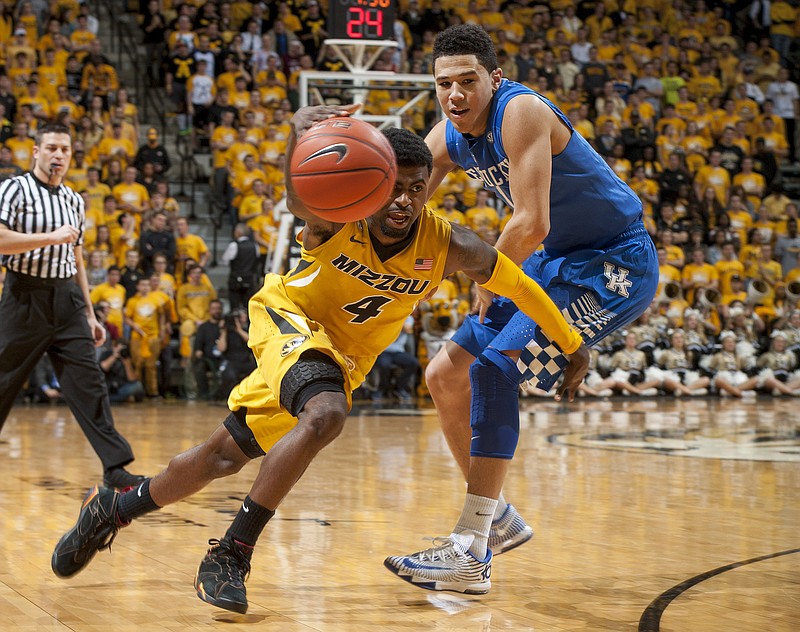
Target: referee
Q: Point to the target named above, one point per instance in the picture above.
(45, 304)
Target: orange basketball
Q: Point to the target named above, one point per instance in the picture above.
(343, 169)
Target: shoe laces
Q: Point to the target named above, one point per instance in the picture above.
(226, 549)
(108, 526)
(110, 539)
(444, 548)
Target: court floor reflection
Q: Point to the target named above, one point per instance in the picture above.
(629, 501)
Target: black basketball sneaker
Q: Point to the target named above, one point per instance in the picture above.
(120, 478)
(94, 531)
(222, 573)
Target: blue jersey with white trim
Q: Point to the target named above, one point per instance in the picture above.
(589, 205)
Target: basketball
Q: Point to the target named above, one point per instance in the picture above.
(343, 169)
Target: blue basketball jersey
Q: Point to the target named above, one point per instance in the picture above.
(589, 205)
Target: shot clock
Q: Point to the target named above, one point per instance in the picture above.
(361, 19)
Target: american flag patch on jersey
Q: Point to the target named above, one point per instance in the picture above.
(423, 264)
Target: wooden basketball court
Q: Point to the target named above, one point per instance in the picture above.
(650, 515)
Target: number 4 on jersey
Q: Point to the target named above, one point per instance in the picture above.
(368, 307)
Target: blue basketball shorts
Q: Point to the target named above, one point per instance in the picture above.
(598, 292)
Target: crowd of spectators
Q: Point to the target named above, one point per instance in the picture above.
(692, 103)
(145, 265)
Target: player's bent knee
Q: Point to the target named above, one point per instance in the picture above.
(495, 410)
(314, 373)
(435, 373)
(441, 374)
(223, 455)
(323, 417)
(220, 464)
(230, 458)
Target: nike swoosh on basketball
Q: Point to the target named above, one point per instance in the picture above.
(357, 241)
(339, 148)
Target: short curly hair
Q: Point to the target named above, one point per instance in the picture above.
(466, 39)
(409, 148)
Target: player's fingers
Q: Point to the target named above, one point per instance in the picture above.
(477, 307)
(565, 389)
(338, 110)
(482, 312)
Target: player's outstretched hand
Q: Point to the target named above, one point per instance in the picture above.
(574, 373)
(305, 117)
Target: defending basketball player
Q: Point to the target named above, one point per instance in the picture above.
(598, 265)
(315, 332)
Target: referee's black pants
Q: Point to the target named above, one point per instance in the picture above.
(49, 315)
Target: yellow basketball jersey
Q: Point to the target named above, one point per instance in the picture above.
(361, 300)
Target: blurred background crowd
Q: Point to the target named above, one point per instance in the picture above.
(693, 104)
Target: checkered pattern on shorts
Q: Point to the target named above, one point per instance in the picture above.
(543, 360)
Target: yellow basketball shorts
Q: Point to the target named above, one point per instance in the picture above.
(279, 335)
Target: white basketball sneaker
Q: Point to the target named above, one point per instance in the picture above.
(508, 531)
(446, 566)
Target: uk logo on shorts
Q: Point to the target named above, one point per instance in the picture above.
(617, 281)
(292, 345)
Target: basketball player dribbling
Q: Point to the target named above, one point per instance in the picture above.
(316, 332)
(598, 264)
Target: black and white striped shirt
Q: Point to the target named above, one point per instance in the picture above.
(28, 205)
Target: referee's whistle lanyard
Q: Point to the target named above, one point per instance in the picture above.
(50, 184)
(52, 169)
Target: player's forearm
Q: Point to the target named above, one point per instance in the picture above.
(293, 201)
(509, 281)
(519, 239)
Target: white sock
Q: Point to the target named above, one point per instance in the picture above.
(476, 520)
(502, 503)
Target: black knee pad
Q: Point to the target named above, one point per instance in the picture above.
(315, 372)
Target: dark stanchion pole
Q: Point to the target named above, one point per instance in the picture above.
(114, 24)
(146, 108)
(213, 263)
(182, 193)
(192, 213)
